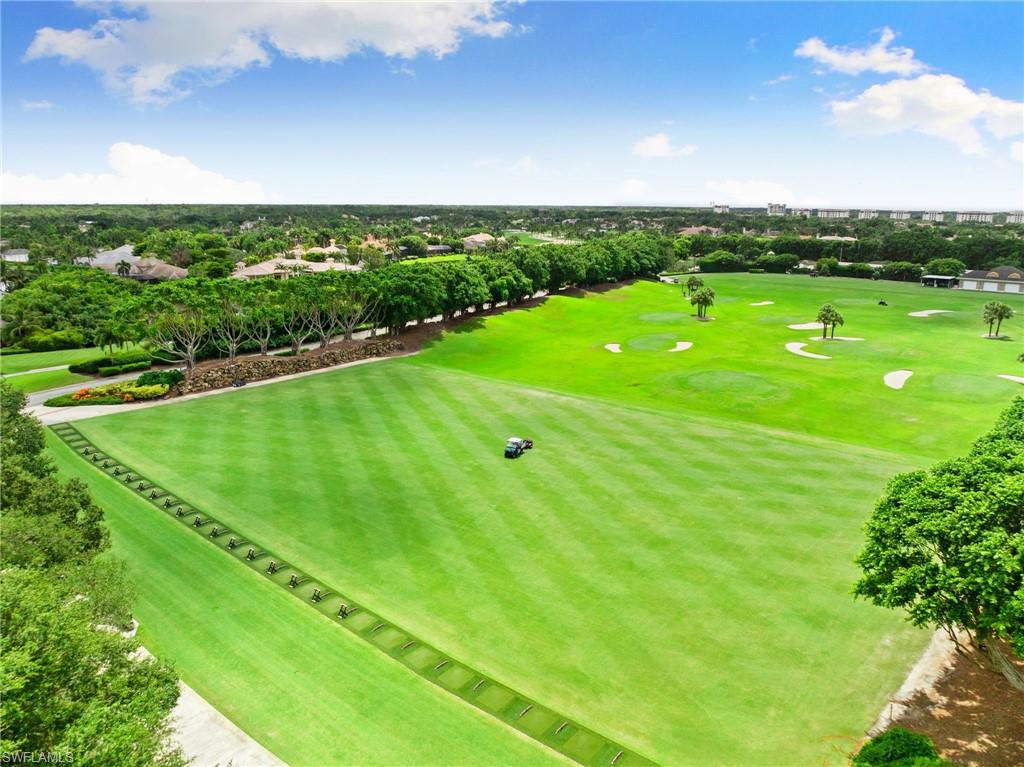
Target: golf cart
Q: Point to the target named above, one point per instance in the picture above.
(516, 446)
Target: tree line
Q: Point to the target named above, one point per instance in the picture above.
(185, 320)
(72, 687)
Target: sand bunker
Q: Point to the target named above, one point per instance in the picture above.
(763, 303)
(897, 378)
(613, 348)
(1015, 379)
(806, 326)
(930, 312)
(798, 348)
(681, 346)
(836, 338)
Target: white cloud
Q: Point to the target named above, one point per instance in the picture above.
(878, 57)
(660, 145)
(163, 49)
(752, 192)
(32, 106)
(140, 174)
(935, 105)
(634, 188)
(1017, 151)
(524, 166)
(778, 80)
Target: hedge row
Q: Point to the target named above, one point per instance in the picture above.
(92, 367)
(131, 367)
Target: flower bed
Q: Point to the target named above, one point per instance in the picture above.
(110, 394)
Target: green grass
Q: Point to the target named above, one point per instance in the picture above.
(20, 363)
(305, 689)
(49, 379)
(671, 564)
(434, 259)
(525, 238)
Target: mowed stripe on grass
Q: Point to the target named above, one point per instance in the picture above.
(681, 585)
(305, 690)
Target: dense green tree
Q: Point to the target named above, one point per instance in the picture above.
(946, 544)
(722, 261)
(951, 267)
(693, 283)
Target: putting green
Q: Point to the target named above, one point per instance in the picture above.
(670, 565)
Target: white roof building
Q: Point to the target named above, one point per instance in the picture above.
(899, 215)
(867, 214)
(973, 217)
(937, 216)
(478, 240)
(1015, 218)
(833, 213)
(283, 268)
(107, 260)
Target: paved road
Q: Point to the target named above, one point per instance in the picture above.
(39, 397)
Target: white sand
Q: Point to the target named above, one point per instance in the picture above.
(613, 348)
(798, 349)
(930, 312)
(897, 378)
(836, 338)
(681, 346)
(806, 326)
(1015, 379)
(763, 303)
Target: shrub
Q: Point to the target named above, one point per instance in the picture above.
(898, 748)
(168, 377)
(722, 261)
(68, 400)
(860, 271)
(903, 271)
(135, 392)
(778, 263)
(8, 351)
(131, 367)
(53, 340)
(92, 367)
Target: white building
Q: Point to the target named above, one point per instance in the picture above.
(972, 217)
(1015, 218)
(866, 214)
(776, 209)
(833, 213)
(899, 215)
(1002, 279)
(478, 240)
(934, 215)
(802, 212)
(719, 208)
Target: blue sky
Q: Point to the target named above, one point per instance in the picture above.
(913, 105)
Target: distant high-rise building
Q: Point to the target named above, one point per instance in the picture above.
(776, 209)
(934, 215)
(803, 212)
(867, 214)
(1015, 218)
(833, 213)
(719, 208)
(972, 217)
(899, 215)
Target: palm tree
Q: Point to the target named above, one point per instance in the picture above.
(703, 299)
(826, 316)
(692, 284)
(988, 315)
(994, 312)
(837, 319)
(123, 268)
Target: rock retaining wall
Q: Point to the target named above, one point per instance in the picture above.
(260, 368)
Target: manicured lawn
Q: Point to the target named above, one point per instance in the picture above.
(49, 379)
(435, 259)
(304, 688)
(671, 564)
(525, 238)
(19, 363)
